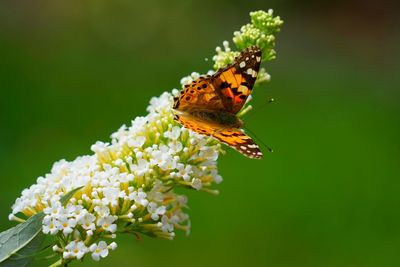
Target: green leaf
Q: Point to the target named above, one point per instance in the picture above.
(64, 199)
(17, 243)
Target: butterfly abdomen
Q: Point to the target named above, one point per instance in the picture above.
(221, 117)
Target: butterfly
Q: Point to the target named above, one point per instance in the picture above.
(209, 105)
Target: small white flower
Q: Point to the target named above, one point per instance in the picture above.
(167, 224)
(139, 197)
(100, 147)
(55, 210)
(184, 171)
(75, 249)
(57, 248)
(174, 133)
(210, 72)
(138, 123)
(155, 211)
(112, 246)
(188, 79)
(99, 250)
(87, 222)
(66, 225)
(111, 195)
(107, 223)
(226, 46)
(175, 147)
(120, 133)
(197, 184)
(140, 168)
(160, 156)
(218, 179)
(71, 208)
(50, 225)
(138, 141)
(102, 211)
(169, 163)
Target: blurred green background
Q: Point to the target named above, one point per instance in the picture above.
(72, 72)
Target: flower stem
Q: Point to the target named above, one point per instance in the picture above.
(57, 263)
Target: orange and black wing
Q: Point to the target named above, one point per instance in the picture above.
(226, 90)
(198, 95)
(234, 83)
(232, 137)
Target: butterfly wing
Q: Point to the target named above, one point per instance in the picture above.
(233, 137)
(226, 90)
(235, 82)
(198, 95)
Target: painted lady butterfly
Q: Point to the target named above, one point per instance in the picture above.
(209, 105)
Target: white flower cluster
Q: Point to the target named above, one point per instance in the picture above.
(190, 78)
(224, 56)
(127, 185)
(260, 32)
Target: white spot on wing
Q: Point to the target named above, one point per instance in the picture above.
(242, 64)
(258, 59)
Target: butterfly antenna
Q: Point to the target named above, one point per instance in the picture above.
(263, 105)
(271, 100)
(258, 139)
